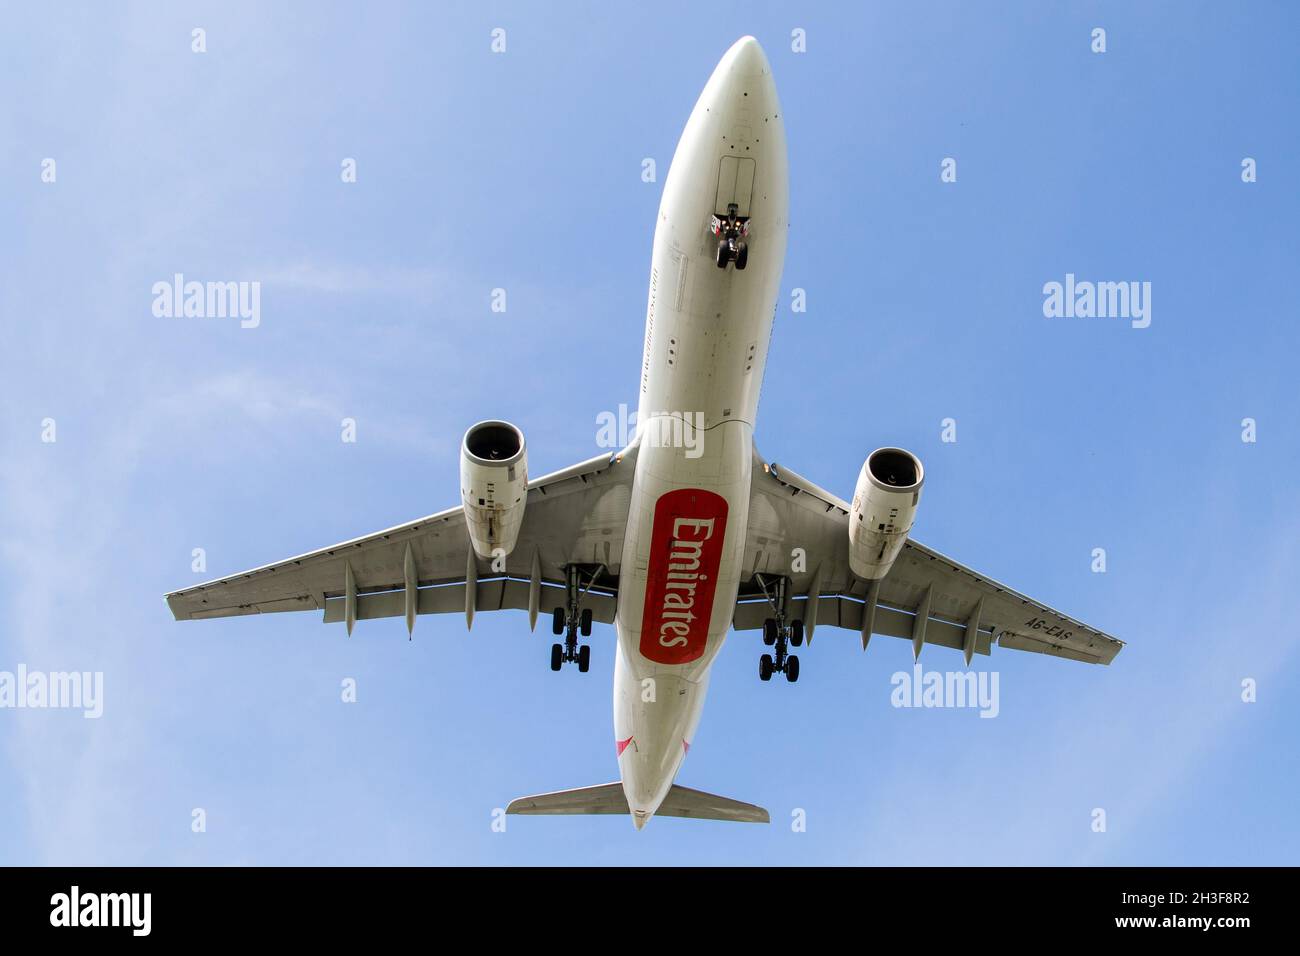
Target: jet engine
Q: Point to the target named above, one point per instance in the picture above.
(884, 506)
(493, 485)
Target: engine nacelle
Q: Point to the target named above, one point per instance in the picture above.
(884, 506)
(493, 486)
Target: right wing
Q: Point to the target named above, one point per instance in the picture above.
(574, 516)
(962, 608)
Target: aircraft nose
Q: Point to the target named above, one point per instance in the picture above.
(746, 57)
(742, 80)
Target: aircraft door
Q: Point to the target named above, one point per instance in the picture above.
(735, 185)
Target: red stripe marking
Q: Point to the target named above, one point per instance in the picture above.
(622, 745)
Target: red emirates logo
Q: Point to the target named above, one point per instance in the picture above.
(685, 551)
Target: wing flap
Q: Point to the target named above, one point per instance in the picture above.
(1105, 653)
(302, 603)
(498, 595)
(847, 613)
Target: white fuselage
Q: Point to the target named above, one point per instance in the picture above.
(707, 333)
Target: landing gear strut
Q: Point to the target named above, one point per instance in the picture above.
(778, 633)
(572, 618)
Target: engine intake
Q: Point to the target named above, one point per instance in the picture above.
(883, 509)
(493, 486)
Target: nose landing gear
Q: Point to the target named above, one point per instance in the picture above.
(732, 250)
(572, 618)
(732, 231)
(777, 634)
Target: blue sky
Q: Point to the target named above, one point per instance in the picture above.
(924, 303)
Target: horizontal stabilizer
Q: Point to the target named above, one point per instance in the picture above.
(609, 798)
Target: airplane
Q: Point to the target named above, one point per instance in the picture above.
(687, 533)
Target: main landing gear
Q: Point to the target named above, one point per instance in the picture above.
(778, 633)
(572, 618)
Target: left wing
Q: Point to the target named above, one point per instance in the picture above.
(926, 597)
(574, 516)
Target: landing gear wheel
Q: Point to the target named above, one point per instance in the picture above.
(764, 666)
(723, 255)
(584, 657)
(557, 656)
(796, 634)
(557, 621)
(769, 631)
(792, 668)
(742, 255)
(586, 622)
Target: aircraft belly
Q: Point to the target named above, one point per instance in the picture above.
(683, 552)
(677, 592)
(706, 340)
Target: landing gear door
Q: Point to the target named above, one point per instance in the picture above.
(735, 184)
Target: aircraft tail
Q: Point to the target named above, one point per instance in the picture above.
(609, 798)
